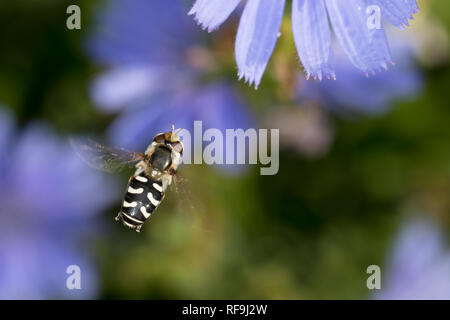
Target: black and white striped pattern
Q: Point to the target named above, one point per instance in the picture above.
(143, 196)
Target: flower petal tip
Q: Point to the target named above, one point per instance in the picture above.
(321, 75)
(249, 80)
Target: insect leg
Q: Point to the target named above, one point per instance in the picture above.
(140, 167)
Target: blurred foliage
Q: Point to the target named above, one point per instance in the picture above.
(308, 232)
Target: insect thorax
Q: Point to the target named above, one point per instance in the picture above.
(161, 158)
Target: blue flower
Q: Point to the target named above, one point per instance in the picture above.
(355, 93)
(260, 23)
(216, 105)
(154, 75)
(419, 266)
(47, 200)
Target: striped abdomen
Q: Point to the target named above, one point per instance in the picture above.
(143, 196)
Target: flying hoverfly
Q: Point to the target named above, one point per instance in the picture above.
(155, 170)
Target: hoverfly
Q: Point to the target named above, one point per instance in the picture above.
(155, 169)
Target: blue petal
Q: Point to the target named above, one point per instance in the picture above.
(217, 105)
(353, 93)
(210, 14)
(396, 12)
(420, 243)
(412, 4)
(312, 37)
(154, 32)
(34, 264)
(146, 117)
(39, 156)
(419, 264)
(367, 48)
(257, 34)
(124, 84)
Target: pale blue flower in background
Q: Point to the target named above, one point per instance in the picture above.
(259, 29)
(419, 264)
(151, 78)
(142, 49)
(354, 93)
(216, 105)
(48, 199)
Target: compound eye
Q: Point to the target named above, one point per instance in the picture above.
(159, 138)
(177, 147)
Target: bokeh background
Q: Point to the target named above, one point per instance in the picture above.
(364, 162)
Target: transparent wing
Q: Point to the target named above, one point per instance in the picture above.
(188, 204)
(105, 158)
(180, 185)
